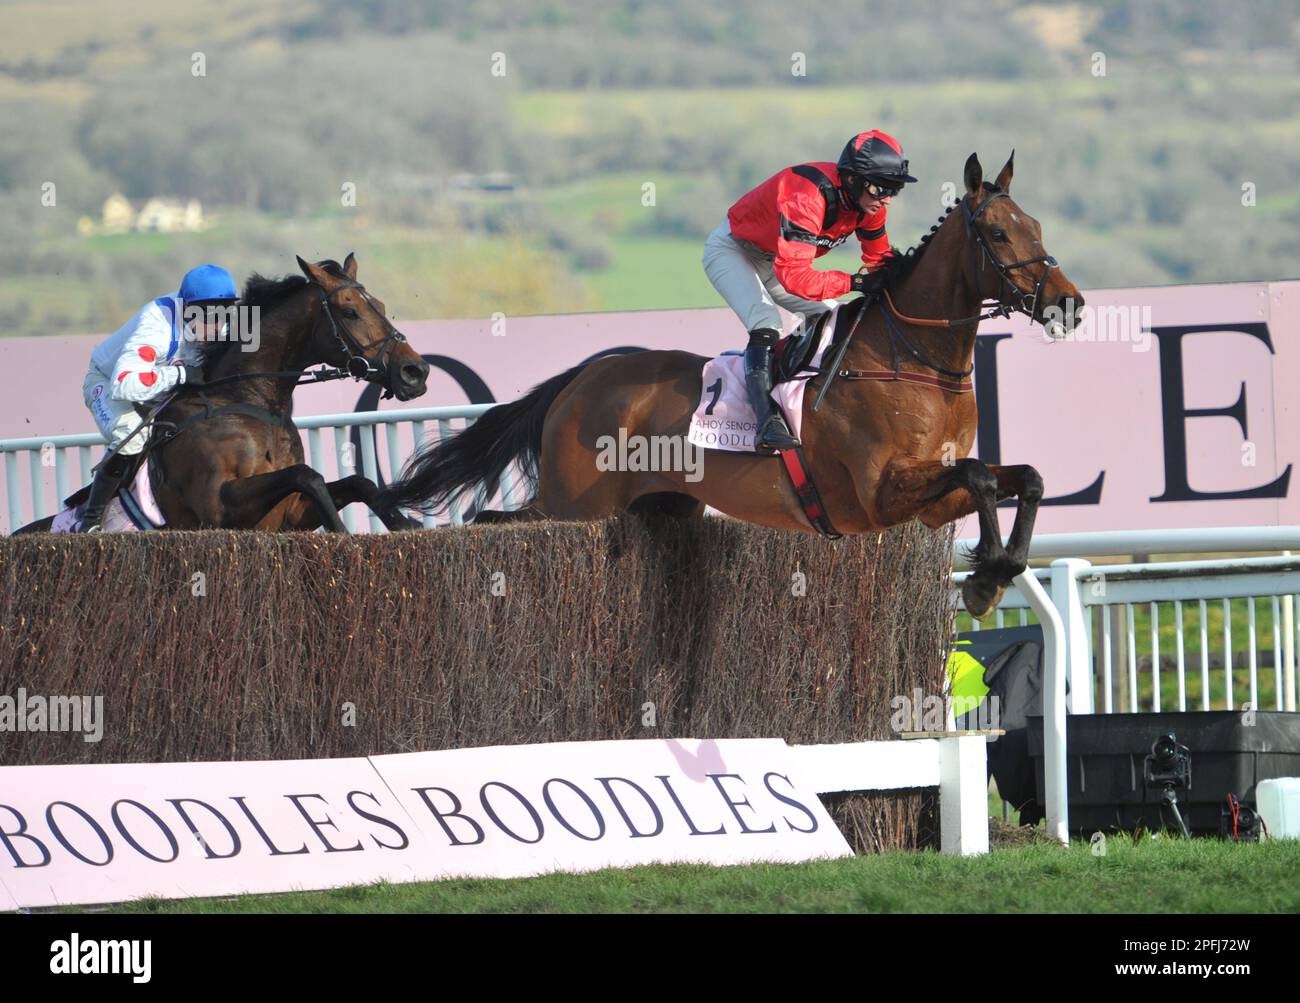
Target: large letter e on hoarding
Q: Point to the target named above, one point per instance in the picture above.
(1175, 413)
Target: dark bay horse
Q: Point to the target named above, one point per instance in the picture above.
(881, 452)
(234, 459)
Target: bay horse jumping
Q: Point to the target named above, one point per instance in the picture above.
(230, 456)
(882, 451)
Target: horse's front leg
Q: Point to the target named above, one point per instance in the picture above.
(994, 567)
(246, 502)
(1025, 484)
(937, 493)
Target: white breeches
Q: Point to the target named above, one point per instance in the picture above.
(116, 419)
(744, 276)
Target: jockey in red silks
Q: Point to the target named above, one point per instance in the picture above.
(149, 355)
(761, 255)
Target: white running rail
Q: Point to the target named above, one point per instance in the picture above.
(1234, 539)
(40, 471)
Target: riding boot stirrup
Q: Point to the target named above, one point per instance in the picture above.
(108, 478)
(773, 434)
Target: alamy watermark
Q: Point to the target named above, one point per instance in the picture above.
(35, 713)
(1116, 324)
(918, 712)
(222, 322)
(650, 453)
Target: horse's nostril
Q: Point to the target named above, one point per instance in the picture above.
(413, 374)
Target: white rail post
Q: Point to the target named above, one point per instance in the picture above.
(1288, 649)
(1078, 649)
(1054, 771)
(963, 795)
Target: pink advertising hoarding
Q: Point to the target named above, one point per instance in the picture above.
(110, 833)
(577, 806)
(1171, 409)
(94, 833)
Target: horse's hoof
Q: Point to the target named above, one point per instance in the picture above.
(981, 598)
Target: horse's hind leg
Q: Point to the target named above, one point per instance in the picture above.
(342, 493)
(247, 502)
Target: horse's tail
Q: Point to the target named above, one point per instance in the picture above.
(480, 454)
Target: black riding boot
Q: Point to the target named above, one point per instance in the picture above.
(108, 478)
(773, 433)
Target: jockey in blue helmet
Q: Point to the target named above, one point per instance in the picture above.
(145, 358)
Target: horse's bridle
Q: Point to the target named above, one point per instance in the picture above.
(358, 364)
(950, 379)
(1028, 302)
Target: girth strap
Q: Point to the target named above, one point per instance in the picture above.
(943, 383)
(810, 499)
(168, 430)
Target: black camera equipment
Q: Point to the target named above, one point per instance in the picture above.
(1169, 768)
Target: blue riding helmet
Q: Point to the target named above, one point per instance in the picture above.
(207, 283)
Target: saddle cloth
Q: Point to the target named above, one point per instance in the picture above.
(724, 418)
(134, 508)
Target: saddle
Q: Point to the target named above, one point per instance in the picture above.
(793, 354)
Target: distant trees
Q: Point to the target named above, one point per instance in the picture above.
(344, 121)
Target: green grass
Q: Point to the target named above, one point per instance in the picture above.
(611, 200)
(1154, 876)
(650, 273)
(672, 110)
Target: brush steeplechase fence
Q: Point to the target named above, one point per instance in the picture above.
(236, 646)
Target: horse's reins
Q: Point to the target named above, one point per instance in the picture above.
(951, 380)
(322, 375)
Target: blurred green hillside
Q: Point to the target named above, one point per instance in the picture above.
(1137, 175)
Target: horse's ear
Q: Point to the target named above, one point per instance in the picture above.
(315, 273)
(350, 266)
(974, 177)
(1004, 176)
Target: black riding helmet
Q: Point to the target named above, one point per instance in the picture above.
(873, 156)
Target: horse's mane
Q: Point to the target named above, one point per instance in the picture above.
(265, 294)
(902, 264)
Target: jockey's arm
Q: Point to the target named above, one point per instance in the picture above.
(796, 248)
(142, 371)
(874, 239)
